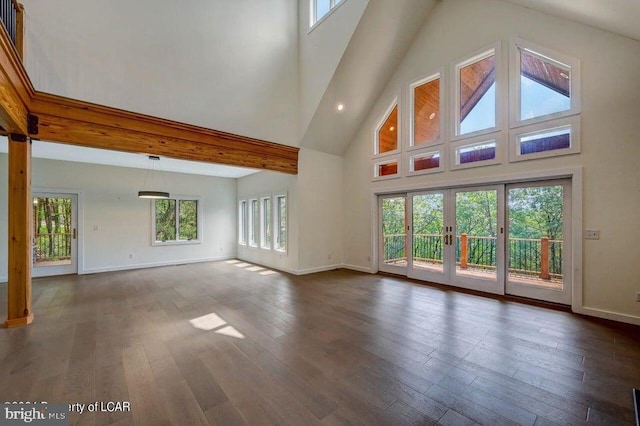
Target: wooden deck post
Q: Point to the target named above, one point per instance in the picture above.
(464, 250)
(20, 212)
(544, 258)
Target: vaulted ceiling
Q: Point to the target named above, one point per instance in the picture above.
(235, 66)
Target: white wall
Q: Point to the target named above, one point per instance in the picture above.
(123, 221)
(314, 214)
(227, 65)
(321, 51)
(610, 128)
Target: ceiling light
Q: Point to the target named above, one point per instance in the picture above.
(340, 107)
(432, 116)
(152, 194)
(392, 128)
(564, 75)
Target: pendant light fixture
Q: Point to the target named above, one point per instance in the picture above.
(151, 194)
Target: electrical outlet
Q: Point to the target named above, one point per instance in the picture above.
(592, 234)
(130, 255)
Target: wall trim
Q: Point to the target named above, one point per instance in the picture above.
(318, 269)
(152, 265)
(4, 279)
(357, 268)
(609, 315)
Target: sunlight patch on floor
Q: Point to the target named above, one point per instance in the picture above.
(213, 322)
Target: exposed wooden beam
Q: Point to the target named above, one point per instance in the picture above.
(81, 123)
(20, 217)
(15, 88)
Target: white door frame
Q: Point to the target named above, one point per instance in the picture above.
(79, 269)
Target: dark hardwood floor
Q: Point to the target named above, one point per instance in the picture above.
(221, 343)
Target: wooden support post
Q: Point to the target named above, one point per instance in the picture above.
(464, 251)
(544, 258)
(20, 212)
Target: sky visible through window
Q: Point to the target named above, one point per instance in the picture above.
(537, 100)
(483, 114)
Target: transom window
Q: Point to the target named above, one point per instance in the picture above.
(176, 221)
(387, 132)
(476, 93)
(426, 111)
(321, 8)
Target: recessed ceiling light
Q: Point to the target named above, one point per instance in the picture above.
(340, 107)
(432, 116)
(564, 75)
(392, 128)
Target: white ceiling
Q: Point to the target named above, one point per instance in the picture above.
(618, 16)
(55, 151)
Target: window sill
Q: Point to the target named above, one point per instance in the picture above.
(175, 243)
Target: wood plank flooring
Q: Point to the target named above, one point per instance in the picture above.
(234, 344)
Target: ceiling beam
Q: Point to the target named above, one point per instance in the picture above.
(81, 123)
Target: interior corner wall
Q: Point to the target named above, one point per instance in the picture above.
(117, 223)
(269, 183)
(321, 49)
(609, 125)
(314, 201)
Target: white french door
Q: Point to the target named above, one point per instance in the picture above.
(55, 234)
(539, 249)
(501, 239)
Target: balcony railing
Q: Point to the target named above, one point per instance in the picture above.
(52, 247)
(540, 258)
(12, 17)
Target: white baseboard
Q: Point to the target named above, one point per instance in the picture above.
(610, 315)
(358, 268)
(4, 279)
(151, 265)
(317, 269)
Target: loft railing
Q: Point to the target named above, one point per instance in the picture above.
(12, 17)
(528, 257)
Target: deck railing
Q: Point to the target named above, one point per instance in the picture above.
(529, 257)
(12, 17)
(52, 247)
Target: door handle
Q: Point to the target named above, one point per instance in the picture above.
(75, 233)
(446, 240)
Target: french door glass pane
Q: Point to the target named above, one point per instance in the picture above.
(428, 227)
(53, 232)
(535, 236)
(394, 231)
(476, 233)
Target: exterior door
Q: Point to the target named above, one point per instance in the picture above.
(429, 260)
(477, 238)
(55, 235)
(393, 242)
(538, 247)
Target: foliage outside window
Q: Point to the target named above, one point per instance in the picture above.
(265, 223)
(242, 222)
(175, 220)
(254, 221)
(281, 222)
